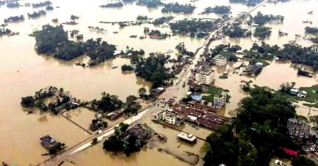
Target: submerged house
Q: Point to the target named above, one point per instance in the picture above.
(187, 137)
(219, 60)
(253, 70)
(169, 117)
(298, 128)
(49, 143)
(219, 99)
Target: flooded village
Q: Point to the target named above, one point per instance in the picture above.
(150, 82)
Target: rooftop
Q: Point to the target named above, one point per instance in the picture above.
(188, 137)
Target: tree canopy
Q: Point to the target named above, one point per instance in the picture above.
(257, 132)
(153, 69)
(108, 103)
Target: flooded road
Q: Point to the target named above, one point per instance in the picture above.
(23, 72)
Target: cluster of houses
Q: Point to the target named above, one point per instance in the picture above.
(253, 69)
(139, 132)
(97, 124)
(193, 112)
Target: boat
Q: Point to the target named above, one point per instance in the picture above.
(133, 36)
(310, 12)
(114, 67)
(115, 32)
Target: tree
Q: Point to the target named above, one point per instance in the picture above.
(142, 91)
(123, 126)
(113, 144)
(27, 102)
(130, 99)
(260, 129)
(302, 161)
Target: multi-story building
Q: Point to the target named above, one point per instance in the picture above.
(298, 128)
(219, 99)
(169, 117)
(204, 75)
(220, 60)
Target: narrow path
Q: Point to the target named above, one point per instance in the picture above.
(76, 124)
(87, 143)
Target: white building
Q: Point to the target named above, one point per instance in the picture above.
(187, 137)
(220, 60)
(204, 75)
(169, 117)
(219, 99)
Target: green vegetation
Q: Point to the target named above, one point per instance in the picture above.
(74, 17)
(125, 141)
(61, 101)
(178, 8)
(229, 55)
(128, 1)
(262, 32)
(312, 93)
(110, 5)
(49, 8)
(261, 19)
(150, 3)
(226, 51)
(293, 52)
(311, 30)
(14, 19)
(54, 40)
(217, 10)
(162, 20)
(108, 103)
(302, 161)
(256, 134)
(98, 51)
(247, 2)
(37, 14)
(152, 69)
(126, 68)
(223, 77)
(236, 31)
(314, 39)
(41, 4)
(212, 91)
(182, 50)
(196, 28)
(4, 31)
(13, 5)
(156, 34)
(142, 17)
(27, 102)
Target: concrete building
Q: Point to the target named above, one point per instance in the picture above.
(169, 117)
(204, 75)
(219, 99)
(187, 137)
(220, 60)
(298, 128)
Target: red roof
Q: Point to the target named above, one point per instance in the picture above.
(154, 35)
(290, 152)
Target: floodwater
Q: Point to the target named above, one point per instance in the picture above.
(23, 72)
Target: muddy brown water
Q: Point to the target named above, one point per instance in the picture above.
(23, 72)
